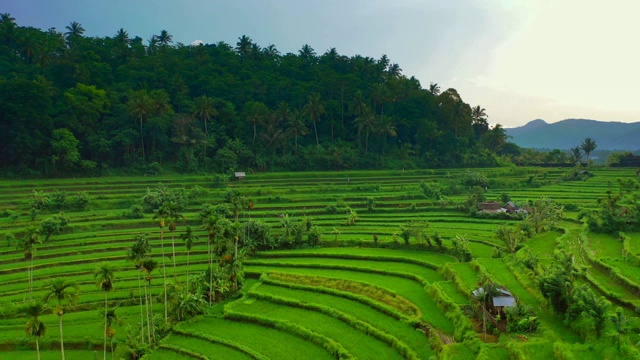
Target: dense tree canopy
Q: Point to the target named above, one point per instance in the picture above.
(71, 104)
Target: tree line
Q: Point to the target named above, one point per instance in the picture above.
(76, 104)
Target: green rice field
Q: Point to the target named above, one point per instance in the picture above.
(348, 297)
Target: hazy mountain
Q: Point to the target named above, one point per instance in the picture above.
(568, 133)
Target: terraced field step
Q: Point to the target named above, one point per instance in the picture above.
(401, 332)
(411, 288)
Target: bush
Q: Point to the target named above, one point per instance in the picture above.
(135, 212)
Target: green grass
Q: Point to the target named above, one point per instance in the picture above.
(358, 344)
(410, 289)
(269, 342)
(55, 355)
(209, 349)
(400, 330)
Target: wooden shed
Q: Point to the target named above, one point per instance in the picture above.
(240, 175)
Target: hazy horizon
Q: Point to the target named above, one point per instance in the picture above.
(520, 60)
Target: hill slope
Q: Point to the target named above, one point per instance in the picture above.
(571, 132)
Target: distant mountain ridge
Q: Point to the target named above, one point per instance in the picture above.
(568, 133)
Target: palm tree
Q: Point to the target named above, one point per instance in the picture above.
(210, 224)
(314, 110)
(111, 319)
(28, 246)
(588, 145)
(148, 265)
(205, 111)
(64, 292)
(255, 112)
(297, 126)
(174, 217)
(105, 277)
(137, 254)
(367, 123)
(164, 38)
(161, 214)
(576, 155)
(189, 238)
(243, 46)
(74, 31)
(358, 104)
(307, 53)
(140, 107)
(434, 89)
(479, 121)
(35, 326)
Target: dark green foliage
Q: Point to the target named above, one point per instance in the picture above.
(136, 212)
(557, 282)
(53, 225)
(619, 211)
(521, 318)
(116, 104)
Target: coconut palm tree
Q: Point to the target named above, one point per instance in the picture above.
(297, 126)
(137, 254)
(148, 265)
(110, 320)
(434, 88)
(161, 214)
(243, 46)
(367, 123)
(174, 216)
(314, 110)
(189, 238)
(255, 113)
(140, 107)
(74, 31)
(576, 155)
(65, 293)
(105, 277)
(28, 246)
(35, 326)
(205, 111)
(210, 224)
(588, 145)
(164, 38)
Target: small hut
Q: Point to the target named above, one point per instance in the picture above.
(511, 207)
(490, 207)
(240, 175)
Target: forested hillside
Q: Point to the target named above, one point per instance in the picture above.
(72, 104)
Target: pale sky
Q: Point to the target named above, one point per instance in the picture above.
(519, 59)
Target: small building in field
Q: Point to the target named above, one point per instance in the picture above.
(240, 175)
(501, 299)
(629, 160)
(490, 207)
(511, 207)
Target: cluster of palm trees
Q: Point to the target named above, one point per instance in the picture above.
(586, 148)
(62, 294)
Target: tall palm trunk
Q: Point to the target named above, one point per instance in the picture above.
(141, 313)
(146, 302)
(105, 326)
(38, 346)
(164, 275)
(315, 129)
(152, 325)
(206, 140)
(188, 252)
(61, 337)
(173, 249)
(141, 138)
(210, 273)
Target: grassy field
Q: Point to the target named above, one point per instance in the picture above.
(366, 299)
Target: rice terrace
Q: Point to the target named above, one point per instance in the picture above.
(320, 265)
